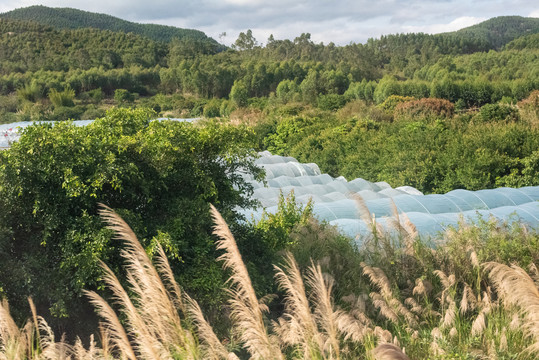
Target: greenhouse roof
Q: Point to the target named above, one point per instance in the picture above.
(350, 205)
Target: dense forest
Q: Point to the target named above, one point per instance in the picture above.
(437, 112)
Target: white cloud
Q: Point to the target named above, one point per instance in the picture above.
(457, 24)
(534, 14)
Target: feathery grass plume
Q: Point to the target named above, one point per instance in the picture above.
(450, 315)
(321, 286)
(473, 257)
(213, 348)
(246, 309)
(354, 326)
(503, 340)
(13, 342)
(411, 230)
(153, 323)
(453, 332)
(422, 287)
(479, 324)
(518, 288)
(534, 273)
(414, 306)
(297, 312)
(363, 210)
(386, 311)
(112, 330)
(383, 336)
(468, 301)
(388, 352)
(378, 278)
(447, 281)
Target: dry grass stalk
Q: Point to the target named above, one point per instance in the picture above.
(363, 210)
(246, 309)
(153, 321)
(299, 323)
(450, 315)
(388, 352)
(321, 286)
(383, 336)
(213, 348)
(518, 288)
(422, 287)
(378, 278)
(479, 324)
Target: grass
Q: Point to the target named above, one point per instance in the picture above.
(458, 301)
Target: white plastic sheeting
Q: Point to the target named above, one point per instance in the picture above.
(333, 199)
(10, 132)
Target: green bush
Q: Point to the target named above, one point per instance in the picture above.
(497, 112)
(62, 98)
(212, 109)
(123, 96)
(331, 102)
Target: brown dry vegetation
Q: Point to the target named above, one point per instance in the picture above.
(461, 306)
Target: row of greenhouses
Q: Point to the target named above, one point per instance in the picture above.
(352, 205)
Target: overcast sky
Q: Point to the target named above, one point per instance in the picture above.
(338, 21)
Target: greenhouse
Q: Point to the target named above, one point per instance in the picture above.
(336, 200)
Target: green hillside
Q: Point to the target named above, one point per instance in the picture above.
(68, 18)
(500, 30)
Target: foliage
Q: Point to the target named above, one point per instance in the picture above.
(238, 94)
(392, 101)
(424, 109)
(62, 98)
(69, 18)
(165, 172)
(497, 112)
(123, 96)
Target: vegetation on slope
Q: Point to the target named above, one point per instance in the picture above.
(69, 18)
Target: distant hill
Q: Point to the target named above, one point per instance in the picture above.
(68, 18)
(499, 31)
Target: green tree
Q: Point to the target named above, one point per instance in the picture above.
(160, 176)
(239, 93)
(245, 41)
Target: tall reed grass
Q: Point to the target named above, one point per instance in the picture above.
(451, 302)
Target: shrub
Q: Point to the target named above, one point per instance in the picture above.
(424, 109)
(31, 91)
(62, 98)
(212, 109)
(497, 112)
(391, 102)
(123, 96)
(331, 102)
(529, 107)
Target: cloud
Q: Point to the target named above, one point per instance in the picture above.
(534, 13)
(458, 23)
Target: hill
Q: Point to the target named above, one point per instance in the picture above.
(500, 30)
(68, 18)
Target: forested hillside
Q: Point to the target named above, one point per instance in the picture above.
(68, 18)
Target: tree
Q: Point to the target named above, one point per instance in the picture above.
(160, 176)
(245, 41)
(239, 94)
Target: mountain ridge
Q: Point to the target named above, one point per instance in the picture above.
(71, 18)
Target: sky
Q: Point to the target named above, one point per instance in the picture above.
(337, 21)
